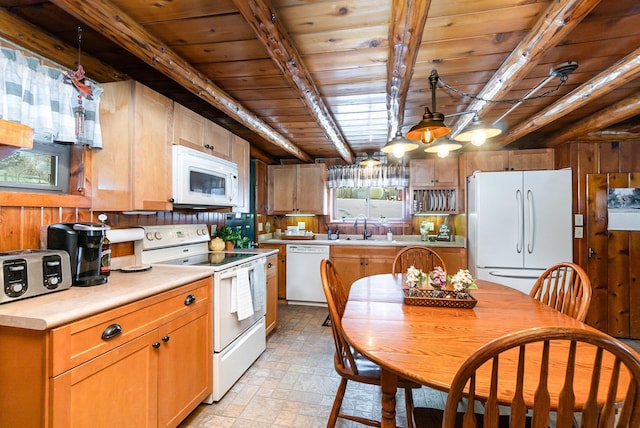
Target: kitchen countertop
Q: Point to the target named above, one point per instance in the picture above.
(381, 240)
(54, 309)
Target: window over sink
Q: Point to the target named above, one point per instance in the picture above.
(371, 202)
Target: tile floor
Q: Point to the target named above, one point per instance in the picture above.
(293, 383)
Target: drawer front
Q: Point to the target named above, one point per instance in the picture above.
(82, 340)
(363, 251)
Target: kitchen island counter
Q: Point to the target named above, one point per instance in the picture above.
(55, 309)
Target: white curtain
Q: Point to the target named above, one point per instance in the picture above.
(37, 96)
(367, 176)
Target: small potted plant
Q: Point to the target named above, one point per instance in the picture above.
(230, 236)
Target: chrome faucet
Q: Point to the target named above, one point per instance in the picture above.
(365, 235)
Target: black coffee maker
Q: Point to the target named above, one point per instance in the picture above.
(83, 242)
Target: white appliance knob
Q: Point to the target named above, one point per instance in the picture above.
(17, 287)
(149, 236)
(199, 232)
(157, 235)
(53, 280)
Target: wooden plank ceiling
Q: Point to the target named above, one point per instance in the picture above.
(310, 79)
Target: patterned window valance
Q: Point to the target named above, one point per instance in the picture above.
(367, 176)
(37, 96)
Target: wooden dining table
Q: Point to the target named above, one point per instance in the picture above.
(428, 344)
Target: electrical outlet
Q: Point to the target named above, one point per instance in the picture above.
(578, 232)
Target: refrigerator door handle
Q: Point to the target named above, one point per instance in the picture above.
(519, 226)
(531, 222)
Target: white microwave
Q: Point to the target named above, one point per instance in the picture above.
(203, 180)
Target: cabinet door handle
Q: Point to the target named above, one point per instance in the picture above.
(190, 299)
(165, 339)
(156, 345)
(270, 265)
(112, 331)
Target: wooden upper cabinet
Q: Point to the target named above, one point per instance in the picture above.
(196, 132)
(508, 160)
(240, 155)
(434, 172)
(534, 159)
(14, 136)
(485, 161)
(260, 182)
(299, 188)
(133, 169)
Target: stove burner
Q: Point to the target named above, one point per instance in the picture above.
(210, 259)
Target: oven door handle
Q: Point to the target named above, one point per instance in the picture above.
(233, 271)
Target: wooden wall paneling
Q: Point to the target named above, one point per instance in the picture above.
(31, 221)
(634, 284)
(596, 235)
(609, 157)
(629, 158)
(618, 272)
(618, 285)
(10, 228)
(634, 272)
(584, 161)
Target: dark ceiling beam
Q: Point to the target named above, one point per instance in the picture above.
(262, 17)
(256, 153)
(557, 22)
(405, 36)
(28, 36)
(611, 115)
(622, 72)
(107, 19)
(610, 134)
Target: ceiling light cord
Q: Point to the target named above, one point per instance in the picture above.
(528, 97)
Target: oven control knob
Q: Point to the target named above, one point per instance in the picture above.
(202, 232)
(149, 236)
(17, 287)
(157, 235)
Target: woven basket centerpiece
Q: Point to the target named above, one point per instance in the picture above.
(439, 289)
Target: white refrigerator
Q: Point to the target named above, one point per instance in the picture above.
(518, 224)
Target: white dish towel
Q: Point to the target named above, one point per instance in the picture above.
(241, 302)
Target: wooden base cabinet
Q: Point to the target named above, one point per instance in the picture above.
(281, 268)
(355, 262)
(105, 388)
(152, 374)
(271, 317)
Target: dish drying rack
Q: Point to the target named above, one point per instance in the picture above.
(434, 201)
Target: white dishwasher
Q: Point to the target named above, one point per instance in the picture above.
(304, 286)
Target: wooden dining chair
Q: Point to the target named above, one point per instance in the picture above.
(530, 350)
(349, 364)
(565, 287)
(420, 257)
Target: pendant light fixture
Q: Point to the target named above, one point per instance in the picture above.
(432, 124)
(442, 146)
(477, 133)
(399, 145)
(369, 160)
